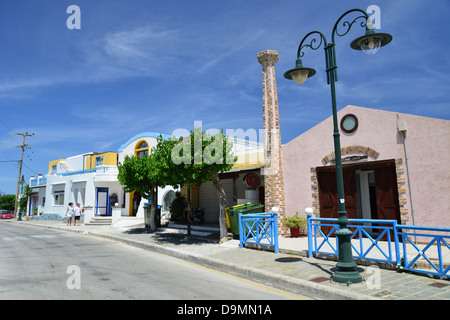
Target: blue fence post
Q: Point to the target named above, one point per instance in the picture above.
(310, 239)
(397, 244)
(241, 232)
(275, 231)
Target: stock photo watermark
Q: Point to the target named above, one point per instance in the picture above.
(374, 13)
(373, 281)
(74, 280)
(255, 146)
(214, 152)
(74, 20)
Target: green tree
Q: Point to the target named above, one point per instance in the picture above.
(199, 158)
(189, 161)
(27, 191)
(146, 173)
(7, 202)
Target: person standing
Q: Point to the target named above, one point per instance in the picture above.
(69, 214)
(77, 214)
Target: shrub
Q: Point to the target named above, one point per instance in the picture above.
(177, 207)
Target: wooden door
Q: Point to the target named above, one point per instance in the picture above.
(387, 194)
(328, 195)
(350, 195)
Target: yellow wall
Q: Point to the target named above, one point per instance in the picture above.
(194, 195)
(109, 159)
(249, 160)
(52, 163)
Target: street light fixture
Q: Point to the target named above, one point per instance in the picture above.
(369, 43)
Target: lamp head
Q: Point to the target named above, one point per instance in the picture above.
(299, 74)
(309, 211)
(371, 41)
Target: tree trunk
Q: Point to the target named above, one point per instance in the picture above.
(189, 211)
(222, 203)
(152, 210)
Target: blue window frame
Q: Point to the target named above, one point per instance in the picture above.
(98, 161)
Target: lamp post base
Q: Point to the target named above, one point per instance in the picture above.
(351, 276)
(346, 265)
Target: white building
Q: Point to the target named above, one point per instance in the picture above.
(91, 180)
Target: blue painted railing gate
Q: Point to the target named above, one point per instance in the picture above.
(364, 244)
(259, 228)
(438, 241)
(385, 245)
(375, 240)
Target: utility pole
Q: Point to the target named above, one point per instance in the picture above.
(22, 146)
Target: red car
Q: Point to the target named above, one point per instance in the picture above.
(5, 214)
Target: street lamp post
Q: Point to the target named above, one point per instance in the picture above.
(369, 43)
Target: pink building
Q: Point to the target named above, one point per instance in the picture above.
(380, 182)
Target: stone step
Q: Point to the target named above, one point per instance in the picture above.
(100, 220)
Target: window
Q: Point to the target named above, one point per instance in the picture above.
(54, 169)
(58, 198)
(141, 148)
(98, 161)
(349, 123)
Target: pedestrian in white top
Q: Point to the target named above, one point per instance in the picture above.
(77, 212)
(69, 214)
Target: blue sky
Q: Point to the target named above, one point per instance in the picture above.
(146, 65)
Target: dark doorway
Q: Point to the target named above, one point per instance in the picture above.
(136, 201)
(370, 190)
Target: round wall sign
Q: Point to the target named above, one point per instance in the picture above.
(252, 180)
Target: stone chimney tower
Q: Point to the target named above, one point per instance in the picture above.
(273, 170)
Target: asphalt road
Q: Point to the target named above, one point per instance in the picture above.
(45, 264)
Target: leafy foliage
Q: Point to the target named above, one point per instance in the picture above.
(7, 202)
(294, 221)
(146, 173)
(177, 207)
(189, 161)
(196, 158)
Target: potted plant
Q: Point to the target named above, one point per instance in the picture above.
(294, 223)
(113, 199)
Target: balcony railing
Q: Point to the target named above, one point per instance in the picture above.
(99, 170)
(39, 181)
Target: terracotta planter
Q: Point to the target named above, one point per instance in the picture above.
(295, 232)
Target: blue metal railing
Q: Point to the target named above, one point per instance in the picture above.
(440, 241)
(385, 245)
(43, 180)
(38, 181)
(259, 228)
(365, 244)
(71, 173)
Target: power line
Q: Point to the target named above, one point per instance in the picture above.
(29, 168)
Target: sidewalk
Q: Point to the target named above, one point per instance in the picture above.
(291, 269)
